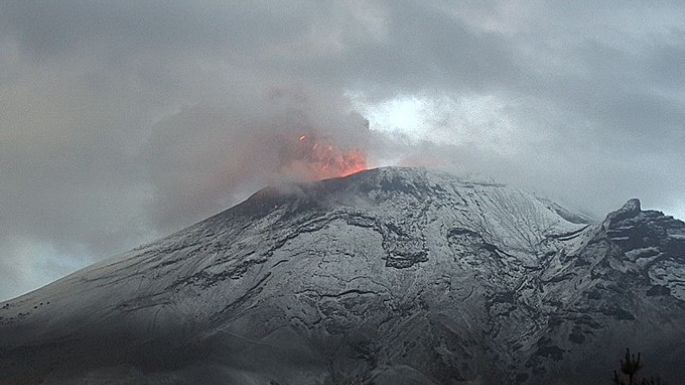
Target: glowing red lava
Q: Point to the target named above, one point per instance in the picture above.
(322, 159)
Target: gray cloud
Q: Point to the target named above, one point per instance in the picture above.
(122, 121)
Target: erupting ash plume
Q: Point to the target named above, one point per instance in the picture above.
(206, 157)
(318, 157)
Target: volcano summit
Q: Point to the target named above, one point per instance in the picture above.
(388, 276)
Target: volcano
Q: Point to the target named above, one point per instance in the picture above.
(388, 276)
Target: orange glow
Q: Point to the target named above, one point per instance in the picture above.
(320, 158)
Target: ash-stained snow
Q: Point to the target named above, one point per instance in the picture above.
(390, 276)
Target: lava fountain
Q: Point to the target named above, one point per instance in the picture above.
(318, 157)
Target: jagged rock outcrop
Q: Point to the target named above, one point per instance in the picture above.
(390, 276)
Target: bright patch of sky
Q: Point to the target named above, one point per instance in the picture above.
(28, 274)
(402, 115)
(677, 211)
(478, 120)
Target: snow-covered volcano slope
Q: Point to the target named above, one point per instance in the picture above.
(390, 276)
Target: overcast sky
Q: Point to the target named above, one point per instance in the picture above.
(121, 121)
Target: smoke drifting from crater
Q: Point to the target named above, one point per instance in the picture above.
(320, 158)
(207, 157)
